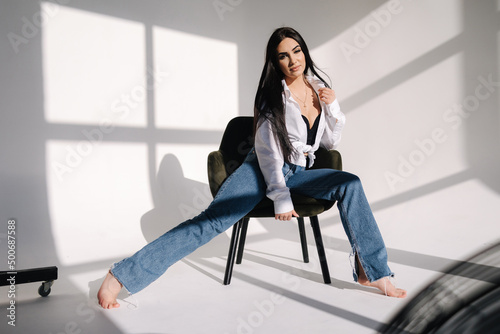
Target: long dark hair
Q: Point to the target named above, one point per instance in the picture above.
(269, 98)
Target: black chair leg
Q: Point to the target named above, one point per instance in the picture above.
(232, 252)
(243, 238)
(321, 249)
(303, 239)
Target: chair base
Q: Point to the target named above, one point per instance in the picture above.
(238, 238)
(47, 275)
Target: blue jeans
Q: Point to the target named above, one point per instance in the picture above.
(238, 195)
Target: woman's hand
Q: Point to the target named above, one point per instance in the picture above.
(286, 215)
(327, 95)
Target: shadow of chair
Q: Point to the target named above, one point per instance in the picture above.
(236, 142)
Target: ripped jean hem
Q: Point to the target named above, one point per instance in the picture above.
(355, 268)
(114, 275)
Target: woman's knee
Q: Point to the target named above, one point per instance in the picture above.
(351, 178)
(352, 182)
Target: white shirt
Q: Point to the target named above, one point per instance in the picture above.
(268, 151)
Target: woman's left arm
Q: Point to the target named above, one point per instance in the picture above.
(334, 118)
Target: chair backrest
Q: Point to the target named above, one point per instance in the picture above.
(237, 141)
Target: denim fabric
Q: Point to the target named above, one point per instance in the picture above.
(238, 195)
(355, 213)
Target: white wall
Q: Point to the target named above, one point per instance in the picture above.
(109, 108)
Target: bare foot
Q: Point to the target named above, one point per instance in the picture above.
(385, 285)
(108, 292)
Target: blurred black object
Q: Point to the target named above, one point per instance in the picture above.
(465, 299)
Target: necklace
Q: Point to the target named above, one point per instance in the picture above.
(305, 97)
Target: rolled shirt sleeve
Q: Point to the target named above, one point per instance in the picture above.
(271, 163)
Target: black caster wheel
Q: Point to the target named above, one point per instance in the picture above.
(44, 289)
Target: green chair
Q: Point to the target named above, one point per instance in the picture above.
(236, 143)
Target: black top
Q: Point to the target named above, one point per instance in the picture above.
(311, 131)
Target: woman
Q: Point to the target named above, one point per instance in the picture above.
(294, 114)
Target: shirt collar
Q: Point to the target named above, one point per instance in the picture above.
(287, 91)
(315, 82)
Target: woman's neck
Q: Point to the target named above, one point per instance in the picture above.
(298, 83)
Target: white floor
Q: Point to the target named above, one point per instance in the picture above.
(272, 291)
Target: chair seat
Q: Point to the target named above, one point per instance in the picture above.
(304, 206)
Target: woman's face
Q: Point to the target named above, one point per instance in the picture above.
(291, 59)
